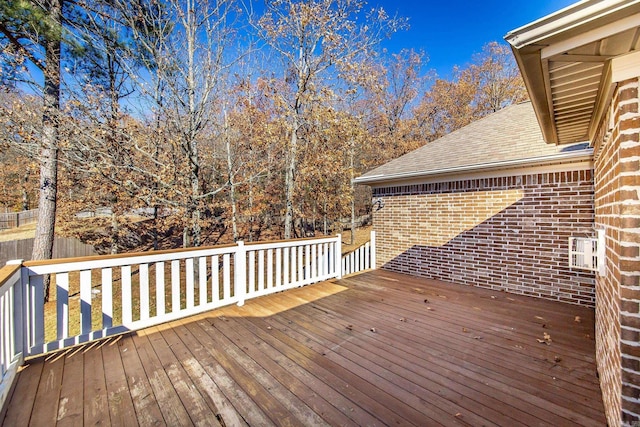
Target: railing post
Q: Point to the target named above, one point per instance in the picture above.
(338, 256)
(19, 307)
(240, 272)
(372, 249)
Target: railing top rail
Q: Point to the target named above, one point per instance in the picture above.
(122, 256)
(290, 242)
(7, 273)
(106, 261)
(88, 263)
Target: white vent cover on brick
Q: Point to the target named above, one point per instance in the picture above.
(587, 253)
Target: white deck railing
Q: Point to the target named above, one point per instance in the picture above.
(101, 296)
(363, 258)
(11, 339)
(98, 296)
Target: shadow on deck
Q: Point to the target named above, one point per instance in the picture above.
(377, 348)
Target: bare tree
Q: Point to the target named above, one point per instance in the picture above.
(34, 30)
(313, 39)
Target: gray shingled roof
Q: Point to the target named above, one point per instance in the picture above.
(509, 135)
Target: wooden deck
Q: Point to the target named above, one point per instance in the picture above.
(373, 349)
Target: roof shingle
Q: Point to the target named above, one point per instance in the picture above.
(510, 134)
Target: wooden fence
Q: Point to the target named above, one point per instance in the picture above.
(16, 219)
(62, 248)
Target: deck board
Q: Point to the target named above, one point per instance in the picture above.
(71, 401)
(96, 402)
(121, 409)
(45, 409)
(398, 367)
(378, 348)
(144, 401)
(23, 397)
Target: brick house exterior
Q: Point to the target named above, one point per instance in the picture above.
(506, 233)
(617, 177)
(471, 219)
(581, 66)
(489, 205)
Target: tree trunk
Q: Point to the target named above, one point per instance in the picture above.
(154, 230)
(251, 216)
(25, 191)
(114, 231)
(324, 219)
(353, 192)
(289, 181)
(192, 143)
(232, 189)
(45, 227)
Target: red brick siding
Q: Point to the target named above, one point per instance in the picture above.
(508, 233)
(617, 207)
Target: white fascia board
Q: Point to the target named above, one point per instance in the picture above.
(625, 67)
(591, 36)
(570, 17)
(581, 157)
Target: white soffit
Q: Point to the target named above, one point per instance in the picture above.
(565, 59)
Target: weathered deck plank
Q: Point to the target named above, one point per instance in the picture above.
(71, 402)
(96, 402)
(45, 408)
(372, 349)
(121, 409)
(23, 397)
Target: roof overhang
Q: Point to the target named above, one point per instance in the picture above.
(566, 62)
(562, 160)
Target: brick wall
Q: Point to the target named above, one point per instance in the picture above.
(617, 208)
(507, 233)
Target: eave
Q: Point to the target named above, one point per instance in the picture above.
(566, 63)
(581, 157)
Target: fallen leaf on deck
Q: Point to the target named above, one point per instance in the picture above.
(493, 297)
(442, 296)
(269, 327)
(402, 319)
(429, 308)
(458, 414)
(577, 319)
(546, 340)
(465, 330)
(478, 337)
(539, 318)
(519, 346)
(418, 290)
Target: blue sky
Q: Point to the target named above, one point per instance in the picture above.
(451, 31)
